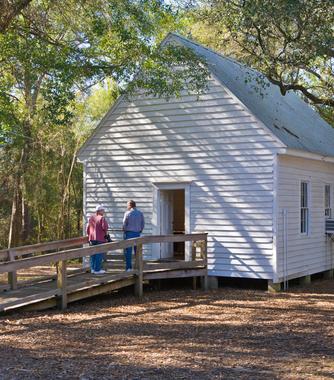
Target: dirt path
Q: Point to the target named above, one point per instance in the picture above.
(222, 334)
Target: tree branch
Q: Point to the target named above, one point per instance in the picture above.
(305, 91)
(9, 10)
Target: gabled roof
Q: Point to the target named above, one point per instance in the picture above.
(288, 117)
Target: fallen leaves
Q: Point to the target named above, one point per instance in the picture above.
(227, 333)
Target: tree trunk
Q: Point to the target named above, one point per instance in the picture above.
(24, 214)
(79, 221)
(14, 236)
(26, 154)
(12, 219)
(65, 194)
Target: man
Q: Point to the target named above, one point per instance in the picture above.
(97, 228)
(133, 225)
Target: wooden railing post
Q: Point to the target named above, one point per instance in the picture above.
(193, 250)
(204, 255)
(12, 276)
(62, 284)
(193, 258)
(139, 268)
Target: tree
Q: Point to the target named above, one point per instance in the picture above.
(9, 10)
(53, 180)
(49, 56)
(290, 41)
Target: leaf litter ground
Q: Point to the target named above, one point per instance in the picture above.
(177, 334)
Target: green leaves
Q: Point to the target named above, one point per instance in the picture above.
(169, 71)
(291, 42)
(52, 56)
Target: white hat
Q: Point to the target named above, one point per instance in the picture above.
(99, 208)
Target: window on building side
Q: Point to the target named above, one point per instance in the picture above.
(304, 207)
(328, 210)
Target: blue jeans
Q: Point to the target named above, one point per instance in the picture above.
(96, 260)
(128, 251)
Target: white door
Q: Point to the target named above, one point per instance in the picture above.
(166, 222)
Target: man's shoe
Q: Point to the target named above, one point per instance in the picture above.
(129, 270)
(92, 271)
(100, 272)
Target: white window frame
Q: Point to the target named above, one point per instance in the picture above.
(328, 206)
(307, 208)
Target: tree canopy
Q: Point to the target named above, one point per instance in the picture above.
(52, 55)
(289, 41)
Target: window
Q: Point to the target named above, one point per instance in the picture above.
(328, 210)
(304, 208)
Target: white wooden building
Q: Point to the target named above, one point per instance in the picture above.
(251, 167)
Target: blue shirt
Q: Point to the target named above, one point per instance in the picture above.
(133, 220)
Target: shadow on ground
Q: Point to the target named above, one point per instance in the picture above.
(177, 334)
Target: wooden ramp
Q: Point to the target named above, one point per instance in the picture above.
(68, 286)
(45, 294)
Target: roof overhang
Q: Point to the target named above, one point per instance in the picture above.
(309, 155)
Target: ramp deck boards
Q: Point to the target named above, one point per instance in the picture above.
(84, 285)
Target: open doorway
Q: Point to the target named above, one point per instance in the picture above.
(171, 216)
(172, 221)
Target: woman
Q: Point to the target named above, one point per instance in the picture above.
(97, 229)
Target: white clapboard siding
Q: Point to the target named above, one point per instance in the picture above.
(305, 254)
(213, 142)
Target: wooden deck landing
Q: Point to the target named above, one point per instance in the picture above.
(44, 294)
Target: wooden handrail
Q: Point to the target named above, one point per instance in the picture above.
(11, 254)
(88, 251)
(42, 247)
